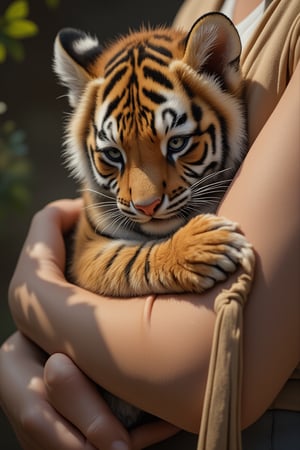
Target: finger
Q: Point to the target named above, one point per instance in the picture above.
(45, 240)
(45, 244)
(152, 433)
(43, 427)
(79, 401)
(66, 212)
(23, 398)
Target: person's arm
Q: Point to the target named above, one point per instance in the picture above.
(155, 352)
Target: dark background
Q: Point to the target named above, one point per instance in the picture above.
(36, 104)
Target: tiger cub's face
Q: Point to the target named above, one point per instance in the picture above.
(156, 116)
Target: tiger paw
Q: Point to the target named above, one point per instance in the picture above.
(207, 250)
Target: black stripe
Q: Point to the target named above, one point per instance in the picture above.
(225, 146)
(152, 126)
(113, 59)
(117, 76)
(143, 117)
(210, 168)
(134, 80)
(153, 58)
(154, 96)
(157, 76)
(161, 282)
(181, 120)
(120, 61)
(112, 259)
(162, 50)
(172, 113)
(175, 279)
(101, 135)
(191, 173)
(197, 112)
(174, 205)
(188, 89)
(211, 130)
(112, 106)
(129, 265)
(143, 54)
(147, 266)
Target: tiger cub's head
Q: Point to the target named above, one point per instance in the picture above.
(157, 122)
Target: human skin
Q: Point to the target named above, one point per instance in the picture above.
(154, 352)
(38, 425)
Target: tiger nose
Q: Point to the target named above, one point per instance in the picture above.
(148, 208)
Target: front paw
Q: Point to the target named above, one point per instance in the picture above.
(208, 249)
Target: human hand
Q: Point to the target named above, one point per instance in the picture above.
(23, 397)
(61, 408)
(77, 399)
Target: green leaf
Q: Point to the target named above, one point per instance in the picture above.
(17, 10)
(20, 29)
(2, 53)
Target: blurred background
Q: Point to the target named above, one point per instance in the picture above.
(32, 110)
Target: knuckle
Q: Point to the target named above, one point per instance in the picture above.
(38, 216)
(58, 371)
(44, 214)
(96, 429)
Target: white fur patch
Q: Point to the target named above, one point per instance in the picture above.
(85, 44)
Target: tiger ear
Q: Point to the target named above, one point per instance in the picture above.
(213, 46)
(74, 54)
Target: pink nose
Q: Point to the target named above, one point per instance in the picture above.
(148, 208)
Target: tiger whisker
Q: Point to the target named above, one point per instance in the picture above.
(111, 197)
(204, 201)
(97, 205)
(59, 97)
(197, 187)
(115, 218)
(212, 188)
(117, 221)
(211, 175)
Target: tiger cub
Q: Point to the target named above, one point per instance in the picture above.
(156, 134)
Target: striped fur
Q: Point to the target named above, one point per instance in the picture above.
(157, 132)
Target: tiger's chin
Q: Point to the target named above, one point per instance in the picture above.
(159, 227)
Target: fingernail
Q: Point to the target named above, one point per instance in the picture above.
(119, 445)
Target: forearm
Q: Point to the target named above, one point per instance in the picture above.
(156, 353)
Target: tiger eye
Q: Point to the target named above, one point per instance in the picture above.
(113, 154)
(177, 143)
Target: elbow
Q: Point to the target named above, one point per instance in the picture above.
(255, 402)
(251, 415)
